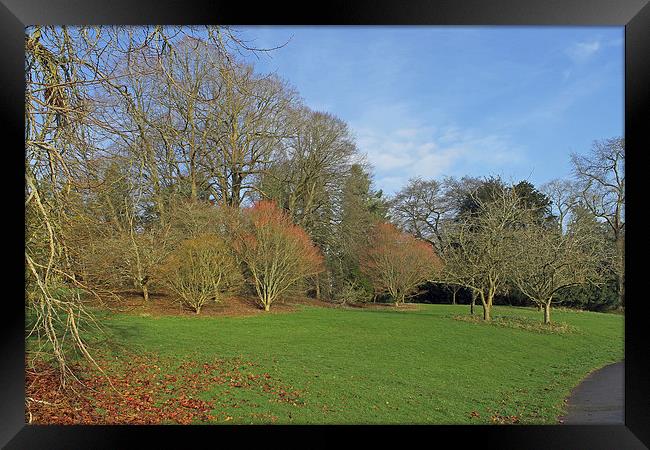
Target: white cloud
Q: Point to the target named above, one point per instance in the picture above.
(582, 51)
(387, 161)
(397, 155)
(407, 132)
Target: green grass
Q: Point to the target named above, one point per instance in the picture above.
(375, 366)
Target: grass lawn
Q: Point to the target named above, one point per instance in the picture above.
(356, 366)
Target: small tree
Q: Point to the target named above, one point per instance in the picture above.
(278, 254)
(200, 270)
(549, 261)
(397, 263)
(479, 252)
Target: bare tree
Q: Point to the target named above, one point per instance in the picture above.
(201, 269)
(549, 261)
(601, 181)
(478, 254)
(423, 207)
(121, 249)
(454, 289)
(563, 195)
(419, 209)
(308, 175)
(251, 121)
(309, 170)
(84, 102)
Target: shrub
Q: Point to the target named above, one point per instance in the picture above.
(353, 292)
(200, 270)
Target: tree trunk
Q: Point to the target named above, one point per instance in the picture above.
(317, 287)
(145, 292)
(547, 313)
(194, 194)
(267, 306)
(453, 297)
(198, 310)
(486, 312)
(539, 307)
(620, 247)
(236, 189)
(471, 305)
(621, 290)
(487, 306)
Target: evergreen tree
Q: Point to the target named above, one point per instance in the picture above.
(361, 209)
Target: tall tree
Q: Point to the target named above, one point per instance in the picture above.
(536, 202)
(309, 170)
(601, 183)
(420, 209)
(252, 122)
(84, 101)
(361, 208)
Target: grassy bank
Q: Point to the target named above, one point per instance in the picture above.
(324, 365)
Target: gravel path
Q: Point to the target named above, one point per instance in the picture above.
(599, 398)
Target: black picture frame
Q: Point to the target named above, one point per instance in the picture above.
(633, 14)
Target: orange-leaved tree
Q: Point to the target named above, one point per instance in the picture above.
(279, 255)
(397, 262)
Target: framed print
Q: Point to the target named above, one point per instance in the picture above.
(369, 217)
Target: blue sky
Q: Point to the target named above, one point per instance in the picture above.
(435, 101)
